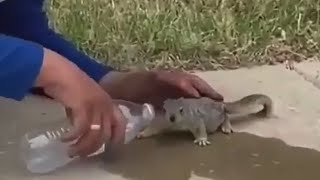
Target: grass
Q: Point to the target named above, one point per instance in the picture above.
(190, 34)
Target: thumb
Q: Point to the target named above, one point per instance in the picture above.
(118, 125)
(69, 115)
(189, 90)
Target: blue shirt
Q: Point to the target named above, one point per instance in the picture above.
(24, 31)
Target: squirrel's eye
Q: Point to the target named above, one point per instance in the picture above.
(181, 110)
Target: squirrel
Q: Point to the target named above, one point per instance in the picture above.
(203, 116)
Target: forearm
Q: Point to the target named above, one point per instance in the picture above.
(111, 80)
(26, 20)
(55, 42)
(20, 64)
(25, 65)
(117, 83)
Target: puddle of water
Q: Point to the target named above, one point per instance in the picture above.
(240, 156)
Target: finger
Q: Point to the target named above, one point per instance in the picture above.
(118, 125)
(92, 140)
(81, 123)
(188, 89)
(68, 112)
(107, 130)
(205, 89)
(181, 86)
(87, 144)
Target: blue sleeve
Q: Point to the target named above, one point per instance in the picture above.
(20, 64)
(26, 19)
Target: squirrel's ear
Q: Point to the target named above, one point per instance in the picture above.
(181, 109)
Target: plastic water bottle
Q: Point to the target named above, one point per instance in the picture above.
(43, 152)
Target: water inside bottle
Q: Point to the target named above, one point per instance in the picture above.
(43, 152)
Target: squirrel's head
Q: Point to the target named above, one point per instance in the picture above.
(173, 110)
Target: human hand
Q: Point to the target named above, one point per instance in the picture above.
(94, 117)
(156, 86)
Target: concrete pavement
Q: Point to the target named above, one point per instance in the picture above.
(296, 100)
(290, 139)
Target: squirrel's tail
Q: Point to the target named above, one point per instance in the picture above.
(247, 103)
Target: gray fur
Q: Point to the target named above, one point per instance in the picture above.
(204, 116)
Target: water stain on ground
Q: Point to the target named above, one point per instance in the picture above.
(240, 156)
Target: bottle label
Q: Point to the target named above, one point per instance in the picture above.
(38, 141)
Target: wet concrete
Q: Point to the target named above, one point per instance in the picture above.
(237, 157)
(287, 148)
(240, 156)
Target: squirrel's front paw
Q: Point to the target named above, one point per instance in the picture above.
(141, 135)
(146, 133)
(202, 142)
